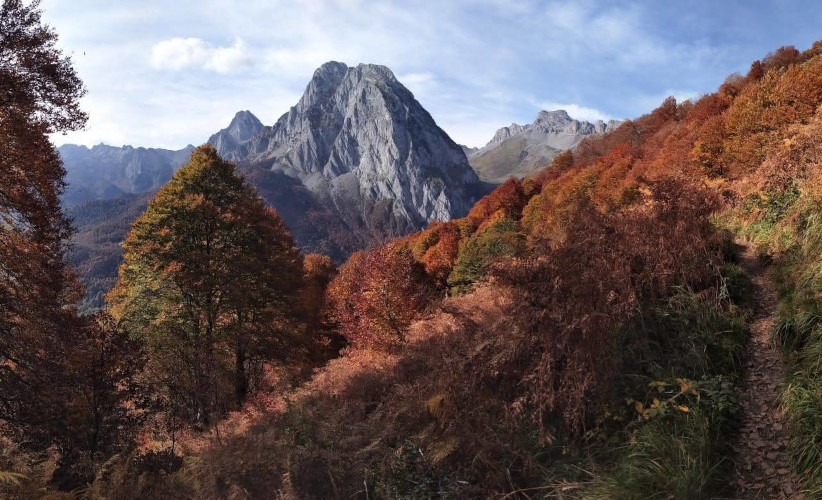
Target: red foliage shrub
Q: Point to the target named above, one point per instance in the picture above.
(509, 197)
(577, 295)
(615, 228)
(781, 58)
(439, 259)
(756, 72)
(376, 295)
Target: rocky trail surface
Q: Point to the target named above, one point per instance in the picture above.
(762, 463)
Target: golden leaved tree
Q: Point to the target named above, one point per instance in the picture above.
(208, 282)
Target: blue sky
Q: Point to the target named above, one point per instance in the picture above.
(169, 73)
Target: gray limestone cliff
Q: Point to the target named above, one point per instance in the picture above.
(359, 137)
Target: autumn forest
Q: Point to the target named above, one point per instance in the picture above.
(589, 331)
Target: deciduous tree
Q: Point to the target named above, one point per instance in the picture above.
(376, 295)
(39, 93)
(207, 284)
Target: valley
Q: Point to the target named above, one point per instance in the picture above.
(340, 187)
(350, 303)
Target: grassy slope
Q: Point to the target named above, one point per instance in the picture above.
(512, 157)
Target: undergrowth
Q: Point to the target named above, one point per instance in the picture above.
(592, 342)
(798, 274)
(684, 410)
(785, 225)
(603, 367)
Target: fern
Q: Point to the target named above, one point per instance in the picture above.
(11, 478)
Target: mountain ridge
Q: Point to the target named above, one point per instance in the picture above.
(136, 170)
(522, 150)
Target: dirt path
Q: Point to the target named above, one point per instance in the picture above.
(762, 468)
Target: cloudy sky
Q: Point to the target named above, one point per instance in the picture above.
(169, 73)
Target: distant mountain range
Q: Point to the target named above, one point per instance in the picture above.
(356, 161)
(105, 172)
(521, 150)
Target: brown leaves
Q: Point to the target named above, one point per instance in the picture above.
(376, 295)
(36, 80)
(38, 94)
(576, 294)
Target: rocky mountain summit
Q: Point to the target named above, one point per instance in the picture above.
(243, 127)
(358, 137)
(520, 150)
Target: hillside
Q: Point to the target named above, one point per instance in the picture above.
(104, 172)
(335, 306)
(596, 329)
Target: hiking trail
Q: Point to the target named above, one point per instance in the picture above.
(762, 463)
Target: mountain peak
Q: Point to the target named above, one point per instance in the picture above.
(377, 70)
(358, 134)
(521, 150)
(558, 115)
(243, 127)
(244, 115)
(331, 68)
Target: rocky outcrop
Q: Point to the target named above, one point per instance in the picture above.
(506, 132)
(521, 150)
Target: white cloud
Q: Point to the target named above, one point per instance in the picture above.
(230, 59)
(475, 66)
(181, 53)
(420, 84)
(576, 111)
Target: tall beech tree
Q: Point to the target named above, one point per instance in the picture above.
(37, 81)
(39, 94)
(207, 284)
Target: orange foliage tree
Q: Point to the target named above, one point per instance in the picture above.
(580, 293)
(39, 94)
(376, 295)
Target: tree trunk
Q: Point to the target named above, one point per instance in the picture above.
(240, 376)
